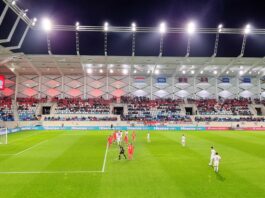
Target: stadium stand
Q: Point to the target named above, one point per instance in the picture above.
(80, 106)
(27, 108)
(144, 109)
(223, 107)
(6, 113)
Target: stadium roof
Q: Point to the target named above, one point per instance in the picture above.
(19, 63)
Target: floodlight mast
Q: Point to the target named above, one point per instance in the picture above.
(191, 28)
(133, 37)
(106, 29)
(247, 31)
(220, 29)
(162, 30)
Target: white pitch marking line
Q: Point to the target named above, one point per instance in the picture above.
(47, 172)
(105, 158)
(31, 147)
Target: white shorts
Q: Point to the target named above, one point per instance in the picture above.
(216, 164)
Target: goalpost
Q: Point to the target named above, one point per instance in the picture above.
(3, 135)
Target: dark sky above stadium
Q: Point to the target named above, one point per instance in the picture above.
(176, 13)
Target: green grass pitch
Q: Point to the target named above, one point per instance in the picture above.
(66, 164)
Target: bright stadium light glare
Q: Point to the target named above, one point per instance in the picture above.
(111, 71)
(148, 71)
(247, 29)
(227, 72)
(125, 71)
(162, 28)
(47, 24)
(35, 19)
(133, 27)
(156, 71)
(106, 26)
(13, 2)
(192, 72)
(241, 72)
(201, 72)
(191, 27)
(101, 71)
(220, 28)
(184, 72)
(89, 71)
(77, 25)
(215, 72)
(135, 71)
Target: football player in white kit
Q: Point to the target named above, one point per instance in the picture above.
(183, 140)
(119, 138)
(212, 155)
(148, 137)
(216, 161)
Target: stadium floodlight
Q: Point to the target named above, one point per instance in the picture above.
(227, 72)
(148, 71)
(101, 71)
(133, 27)
(47, 24)
(220, 28)
(156, 71)
(125, 71)
(13, 2)
(106, 26)
(247, 29)
(89, 71)
(111, 71)
(201, 72)
(215, 72)
(184, 72)
(191, 27)
(162, 28)
(241, 72)
(135, 71)
(192, 72)
(77, 25)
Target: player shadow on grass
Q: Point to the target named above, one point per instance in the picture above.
(220, 177)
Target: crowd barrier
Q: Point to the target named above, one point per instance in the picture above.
(150, 128)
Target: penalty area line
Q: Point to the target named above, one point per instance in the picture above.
(20, 152)
(31, 147)
(105, 159)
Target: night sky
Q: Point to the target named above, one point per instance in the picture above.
(206, 13)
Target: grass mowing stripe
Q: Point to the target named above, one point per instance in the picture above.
(50, 172)
(227, 174)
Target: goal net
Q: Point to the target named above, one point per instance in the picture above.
(3, 135)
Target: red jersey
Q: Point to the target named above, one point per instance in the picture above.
(126, 139)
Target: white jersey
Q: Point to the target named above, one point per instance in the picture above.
(183, 139)
(148, 135)
(216, 160)
(212, 153)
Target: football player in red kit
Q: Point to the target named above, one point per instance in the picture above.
(130, 151)
(126, 139)
(110, 140)
(133, 136)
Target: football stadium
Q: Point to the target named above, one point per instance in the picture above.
(92, 107)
